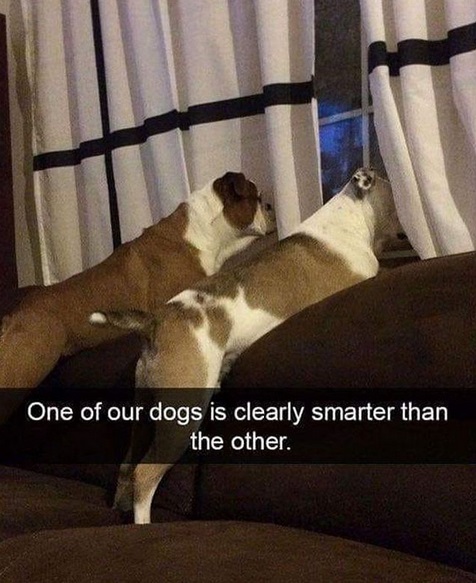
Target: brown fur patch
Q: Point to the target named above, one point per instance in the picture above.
(220, 325)
(240, 198)
(285, 278)
(146, 477)
(173, 337)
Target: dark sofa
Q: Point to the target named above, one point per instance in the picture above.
(412, 326)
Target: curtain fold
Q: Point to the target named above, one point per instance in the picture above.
(138, 102)
(422, 63)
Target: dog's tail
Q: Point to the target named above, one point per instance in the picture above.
(133, 320)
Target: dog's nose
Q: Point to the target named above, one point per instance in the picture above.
(268, 207)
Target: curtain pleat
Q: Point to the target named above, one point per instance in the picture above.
(422, 79)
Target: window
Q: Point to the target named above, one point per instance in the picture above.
(346, 132)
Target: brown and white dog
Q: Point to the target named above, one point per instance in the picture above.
(193, 340)
(218, 220)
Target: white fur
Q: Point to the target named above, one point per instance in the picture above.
(211, 352)
(98, 318)
(248, 324)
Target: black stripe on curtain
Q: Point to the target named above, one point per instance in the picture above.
(423, 52)
(276, 94)
(106, 128)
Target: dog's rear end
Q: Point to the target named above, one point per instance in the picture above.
(171, 333)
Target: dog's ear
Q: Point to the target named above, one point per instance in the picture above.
(237, 184)
(234, 185)
(364, 180)
(134, 320)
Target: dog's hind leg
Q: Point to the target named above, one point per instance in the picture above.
(170, 441)
(30, 345)
(147, 477)
(142, 435)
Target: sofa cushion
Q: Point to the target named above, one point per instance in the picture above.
(411, 326)
(30, 501)
(208, 551)
(427, 510)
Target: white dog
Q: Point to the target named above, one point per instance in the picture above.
(198, 334)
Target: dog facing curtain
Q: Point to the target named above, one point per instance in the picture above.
(422, 62)
(138, 102)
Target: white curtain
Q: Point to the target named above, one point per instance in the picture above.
(422, 62)
(138, 102)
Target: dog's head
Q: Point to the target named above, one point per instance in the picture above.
(363, 179)
(243, 206)
(369, 186)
